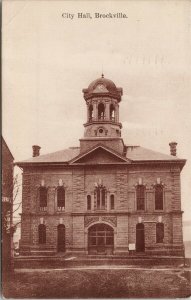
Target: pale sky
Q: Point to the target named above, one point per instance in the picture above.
(47, 60)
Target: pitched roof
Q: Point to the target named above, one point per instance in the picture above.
(133, 153)
(62, 156)
(137, 153)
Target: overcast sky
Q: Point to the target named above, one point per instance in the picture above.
(48, 60)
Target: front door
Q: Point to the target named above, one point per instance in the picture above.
(61, 238)
(140, 238)
(100, 239)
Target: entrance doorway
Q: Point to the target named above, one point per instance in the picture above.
(100, 239)
(61, 238)
(140, 237)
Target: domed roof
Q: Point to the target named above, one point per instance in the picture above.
(102, 86)
(107, 83)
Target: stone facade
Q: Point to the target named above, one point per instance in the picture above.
(101, 214)
(120, 182)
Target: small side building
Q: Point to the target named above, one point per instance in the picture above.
(7, 205)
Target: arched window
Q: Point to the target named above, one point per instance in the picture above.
(100, 194)
(101, 111)
(42, 234)
(43, 197)
(140, 193)
(159, 233)
(158, 197)
(88, 202)
(112, 205)
(60, 198)
(90, 112)
(112, 112)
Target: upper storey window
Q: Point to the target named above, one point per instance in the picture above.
(140, 196)
(88, 202)
(100, 194)
(60, 198)
(101, 111)
(90, 112)
(112, 112)
(43, 195)
(112, 204)
(158, 197)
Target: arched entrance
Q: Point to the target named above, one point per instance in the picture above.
(140, 237)
(61, 238)
(100, 239)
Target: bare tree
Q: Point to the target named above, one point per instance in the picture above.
(8, 226)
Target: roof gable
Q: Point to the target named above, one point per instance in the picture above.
(99, 155)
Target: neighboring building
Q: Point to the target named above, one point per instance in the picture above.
(103, 197)
(7, 204)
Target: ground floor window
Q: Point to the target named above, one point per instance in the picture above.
(61, 238)
(42, 234)
(140, 237)
(159, 232)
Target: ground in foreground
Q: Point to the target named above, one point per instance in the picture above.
(98, 283)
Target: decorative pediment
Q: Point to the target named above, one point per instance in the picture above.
(100, 155)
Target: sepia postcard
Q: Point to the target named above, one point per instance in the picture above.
(96, 148)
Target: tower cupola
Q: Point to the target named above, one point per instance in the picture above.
(102, 101)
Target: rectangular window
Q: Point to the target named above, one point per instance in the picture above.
(158, 197)
(140, 197)
(112, 202)
(159, 233)
(43, 198)
(88, 202)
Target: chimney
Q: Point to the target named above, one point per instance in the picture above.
(36, 150)
(173, 148)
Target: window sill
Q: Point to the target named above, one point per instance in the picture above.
(43, 209)
(60, 209)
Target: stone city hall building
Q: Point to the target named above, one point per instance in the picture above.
(103, 197)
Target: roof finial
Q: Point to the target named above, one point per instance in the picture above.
(102, 75)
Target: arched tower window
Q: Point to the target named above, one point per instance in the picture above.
(158, 197)
(90, 112)
(159, 233)
(101, 111)
(140, 196)
(42, 234)
(88, 202)
(60, 197)
(112, 204)
(43, 195)
(112, 112)
(100, 194)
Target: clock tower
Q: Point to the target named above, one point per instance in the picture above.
(102, 126)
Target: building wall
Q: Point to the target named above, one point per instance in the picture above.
(7, 208)
(121, 182)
